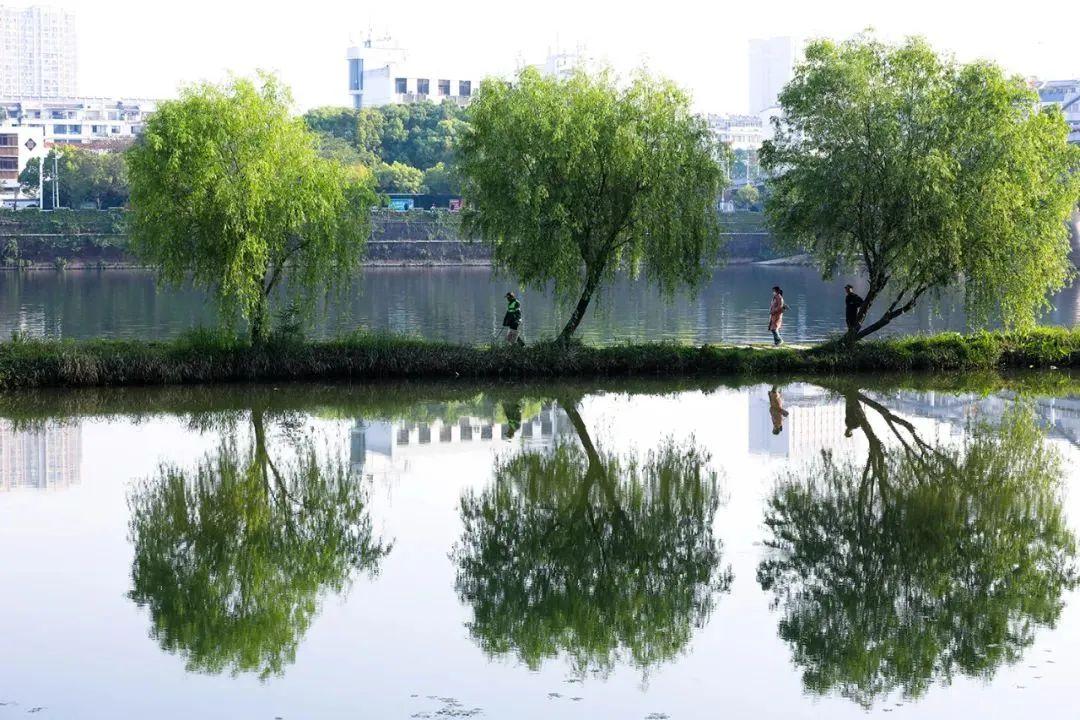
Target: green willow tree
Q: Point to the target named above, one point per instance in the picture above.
(923, 173)
(571, 181)
(924, 561)
(605, 559)
(233, 557)
(228, 189)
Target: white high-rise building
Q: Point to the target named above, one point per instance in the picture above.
(380, 74)
(37, 53)
(772, 65)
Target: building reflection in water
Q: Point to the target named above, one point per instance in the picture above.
(380, 444)
(44, 457)
(814, 419)
(1059, 416)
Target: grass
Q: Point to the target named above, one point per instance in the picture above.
(212, 357)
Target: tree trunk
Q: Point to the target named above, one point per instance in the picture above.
(258, 322)
(591, 283)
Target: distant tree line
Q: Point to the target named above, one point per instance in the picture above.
(87, 177)
(409, 148)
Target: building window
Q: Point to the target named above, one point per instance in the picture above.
(9, 163)
(444, 87)
(423, 86)
(356, 74)
(9, 140)
(465, 88)
(401, 85)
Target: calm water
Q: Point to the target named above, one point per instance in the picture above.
(791, 551)
(466, 304)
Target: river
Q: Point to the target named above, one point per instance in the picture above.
(465, 304)
(676, 550)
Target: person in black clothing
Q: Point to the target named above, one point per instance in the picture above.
(852, 303)
(512, 320)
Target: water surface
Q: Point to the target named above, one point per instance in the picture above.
(795, 550)
(465, 304)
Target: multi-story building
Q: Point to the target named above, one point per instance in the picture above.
(1066, 95)
(738, 132)
(37, 53)
(380, 74)
(18, 146)
(772, 65)
(80, 120)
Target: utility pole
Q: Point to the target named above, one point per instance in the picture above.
(41, 182)
(55, 180)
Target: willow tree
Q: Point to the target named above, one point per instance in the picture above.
(923, 173)
(599, 557)
(573, 180)
(232, 556)
(923, 562)
(228, 189)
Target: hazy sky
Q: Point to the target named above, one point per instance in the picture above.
(142, 47)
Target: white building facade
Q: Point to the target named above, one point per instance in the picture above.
(81, 120)
(380, 74)
(738, 132)
(38, 53)
(772, 65)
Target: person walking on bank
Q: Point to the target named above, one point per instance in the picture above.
(776, 314)
(512, 320)
(852, 303)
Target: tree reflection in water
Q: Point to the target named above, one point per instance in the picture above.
(604, 558)
(922, 562)
(232, 557)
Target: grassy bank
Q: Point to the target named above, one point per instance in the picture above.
(202, 357)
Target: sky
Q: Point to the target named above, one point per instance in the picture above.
(145, 48)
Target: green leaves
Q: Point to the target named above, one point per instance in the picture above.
(573, 180)
(228, 188)
(926, 561)
(233, 556)
(924, 173)
(601, 558)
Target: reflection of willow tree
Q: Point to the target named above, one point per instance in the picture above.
(603, 558)
(923, 562)
(232, 557)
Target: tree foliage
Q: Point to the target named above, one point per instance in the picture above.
(399, 177)
(420, 135)
(228, 188)
(87, 177)
(574, 180)
(923, 172)
(442, 180)
(747, 197)
(232, 558)
(600, 557)
(923, 562)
